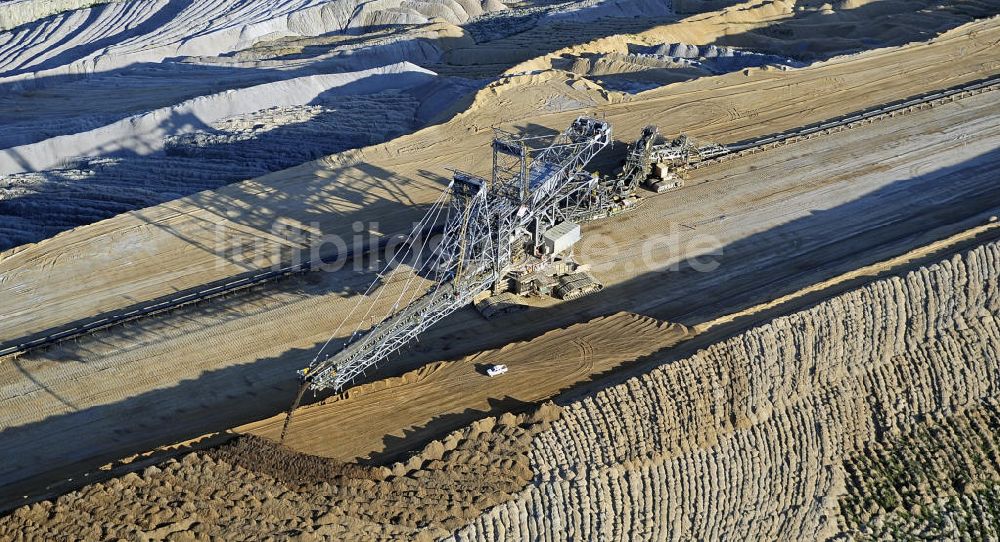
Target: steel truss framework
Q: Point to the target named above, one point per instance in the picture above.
(685, 150)
(531, 189)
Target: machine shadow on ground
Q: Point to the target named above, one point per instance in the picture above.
(396, 449)
(65, 203)
(744, 277)
(242, 230)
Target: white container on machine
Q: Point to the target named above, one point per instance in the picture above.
(561, 237)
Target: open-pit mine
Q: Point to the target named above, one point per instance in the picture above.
(499, 270)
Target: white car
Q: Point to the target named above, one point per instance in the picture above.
(496, 370)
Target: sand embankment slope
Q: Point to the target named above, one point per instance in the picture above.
(908, 182)
(795, 429)
(187, 242)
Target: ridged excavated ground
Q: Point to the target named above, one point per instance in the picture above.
(870, 414)
(769, 435)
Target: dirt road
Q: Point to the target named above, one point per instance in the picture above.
(787, 218)
(870, 415)
(783, 219)
(380, 420)
(212, 235)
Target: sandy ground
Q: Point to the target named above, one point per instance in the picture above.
(184, 243)
(868, 416)
(766, 435)
(437, 491)
(378, 421)
(126, 105)
(785, 219)
(181, 375)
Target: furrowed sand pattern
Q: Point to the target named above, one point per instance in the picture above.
(155, 147)
(767, 435)
(747, 438)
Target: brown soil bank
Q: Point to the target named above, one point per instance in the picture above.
(868, 415)
(252, 489)
(759, 437)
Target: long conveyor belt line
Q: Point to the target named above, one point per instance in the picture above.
(235, 284)
(853, 120)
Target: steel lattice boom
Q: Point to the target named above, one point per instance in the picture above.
(536, 184)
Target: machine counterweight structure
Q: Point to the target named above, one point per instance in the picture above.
(487, 225)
